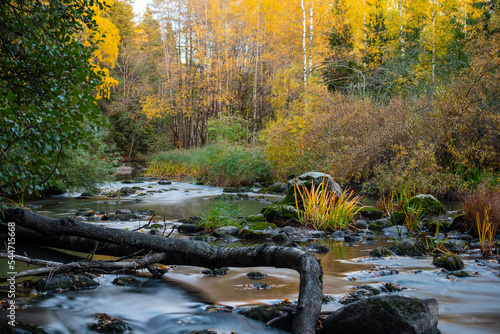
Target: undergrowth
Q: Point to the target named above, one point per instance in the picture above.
(219, 164)
(221, 214)
(481, 205)
(326, 210)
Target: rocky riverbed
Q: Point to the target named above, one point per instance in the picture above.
(188, 299)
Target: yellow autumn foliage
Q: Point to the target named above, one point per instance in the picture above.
(106, 37)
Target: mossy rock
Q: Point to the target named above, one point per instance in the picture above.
(408, 247)
(427, 204)
(247, 234)
(261, 225)
(145, 212)
(433, 225)
(461, 274)
(380, 252)
(256, 218)
(190, 228)
(375, 227)
(154, 226)
(282, 215)
(371, 213)
(450, 262)
(398, 218)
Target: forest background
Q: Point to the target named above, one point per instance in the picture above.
(375, 93)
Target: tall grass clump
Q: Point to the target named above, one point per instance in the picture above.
(218, 164)
(221, 214)
(396, 199)
(486, 231)
(324, 210)
(481, 205)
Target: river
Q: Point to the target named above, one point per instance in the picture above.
(177, 303)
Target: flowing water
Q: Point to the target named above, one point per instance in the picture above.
(178, 302)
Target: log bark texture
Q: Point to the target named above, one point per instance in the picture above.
(74, 235)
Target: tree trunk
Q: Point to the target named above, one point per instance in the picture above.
(74, 235)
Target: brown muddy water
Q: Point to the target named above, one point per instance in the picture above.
(177, 303)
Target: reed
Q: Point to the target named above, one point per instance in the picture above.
(486, 231)
(396, 199)
(323, 210)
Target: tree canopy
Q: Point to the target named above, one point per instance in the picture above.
(48, 87)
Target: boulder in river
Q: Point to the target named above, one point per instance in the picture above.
(282, 215)
(385, 314)
(426, 204)
(307, 180)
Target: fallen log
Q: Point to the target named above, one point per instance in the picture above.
(74, 235)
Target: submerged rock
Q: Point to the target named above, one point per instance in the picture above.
(126, 281)
(260, 286)
(280, 316)
(315, 248)
(215, 272)
(450, 262)
(107, 324)
(256, 275)
(226, 230)
(65, 282)
(280, 238)
(396, 232)
(380, 252)
(385, 314)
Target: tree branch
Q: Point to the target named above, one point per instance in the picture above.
(53, 268)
